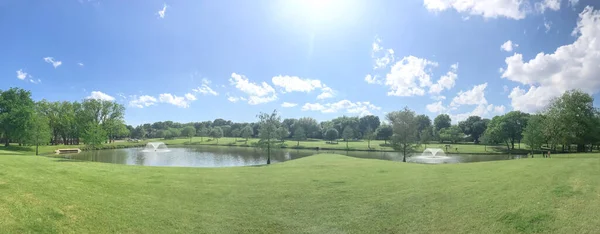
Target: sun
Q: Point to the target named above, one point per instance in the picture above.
(319, 12)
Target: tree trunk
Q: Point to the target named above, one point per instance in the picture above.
(346, 144)
(65, 140)
(268, 151)
(37, 145)
(369, 143)
(298, 145)
(404, 154)
(580, 148)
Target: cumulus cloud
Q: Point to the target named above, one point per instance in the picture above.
(358, 108)
(436, 107)
(381, 57)
(475, 96)
(483, 110)
(297, 84)
(547, 4)
(513, 9)
(257, 94)
(288, 104)
(161, 13)
(205, 89)
(409, 77)
(142, 101)
(446, 81)
(100, 96)
(572, 66)
(508, 46)
(190, 97)
(52, 61)
(372, 79)
(573, 3)
(175, 100)
(21, 75)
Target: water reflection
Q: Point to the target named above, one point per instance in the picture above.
(211, 156)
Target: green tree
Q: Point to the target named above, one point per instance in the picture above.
(204, 132)
(38, 130)
(369, 135)
(94, 135)
(384, 132)
(189, 132)
(216, 133)
(442, 121)
(282, 133)
(473, 126)
(347, 134)
(404, 125)
(575, 113)
(497, 131)
(423, 121)
(331, 134)
(16, 108)
(426, 135)
(160, 134)
(366, 123)
(247, 132)
(235, 133)
(268, 131)
(299, 135)
(533, 134)
(514, 124)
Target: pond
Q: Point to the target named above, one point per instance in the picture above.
(218, 156)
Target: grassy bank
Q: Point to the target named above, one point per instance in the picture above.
(318, 194)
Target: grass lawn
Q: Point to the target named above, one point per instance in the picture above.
(318, 194)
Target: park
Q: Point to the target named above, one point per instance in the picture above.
(298, 176)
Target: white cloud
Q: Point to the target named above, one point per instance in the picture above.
(190, 97)
(161, 13)
(372, 79)
(233, 99)
(573, 3)
(547, 25)
(38, 81)
(80, 64)
(572, 66)
(359, 108)
(508, 46)
(257, 94)
(409, 77)
(436, 107)
(21, 74)
(52, 61)
(446, 81)
(547, 4)
(182, 102)
(205, 89)
(142, 101)
(376, 47)
(100, 96)
(296, 84)
(514, 9)
(326, 92)
(474, 96)
(482, 110)
(288, 104)
(384, 60)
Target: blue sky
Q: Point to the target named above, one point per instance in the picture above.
(200, 60)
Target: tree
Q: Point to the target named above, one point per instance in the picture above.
(38, 130)
(442, 121)
(366, 123)
(216, 133)
(299, 135)
(247, 132)
(331, 134)
(189, 132)
(384, 132)
(426, 135)
(473, 126)
(369, 135)
(282, 133)
(423, 122)
(94, 135)
(267, 131)
(533, 134)
(514, 123)
(310, 126)
(575, 113)
(16, 108)
(160, 134)
(404, 125)
(204, 132)
(175, 132)
(453, 134)
(347, 134)
(497, 131)
(235, 133)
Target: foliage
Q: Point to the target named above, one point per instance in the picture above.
(268, 131)
(452, 134)
(347, 134)
(367, 124)
(533, 135)
(247, 132)
(216, 133)
(426, 135)
(474, 126)
(282, 133)
(189, 132)
(572, 117)
(331, 134)
(299, 134)
(404, 125)
(16, 108)
(94, 135)
(38, 130)
(384, 132)
(423, 122)
(442, 121)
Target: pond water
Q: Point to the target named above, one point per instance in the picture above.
(216, 156)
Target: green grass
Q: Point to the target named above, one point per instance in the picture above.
(317, 194)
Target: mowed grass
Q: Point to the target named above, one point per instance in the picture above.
(317, 194)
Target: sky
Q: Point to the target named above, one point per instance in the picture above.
(190, 61)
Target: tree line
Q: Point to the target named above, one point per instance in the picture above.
(91, 121)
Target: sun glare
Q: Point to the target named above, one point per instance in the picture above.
(319, 12)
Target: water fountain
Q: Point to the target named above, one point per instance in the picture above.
(432, 155)
(156, 147)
